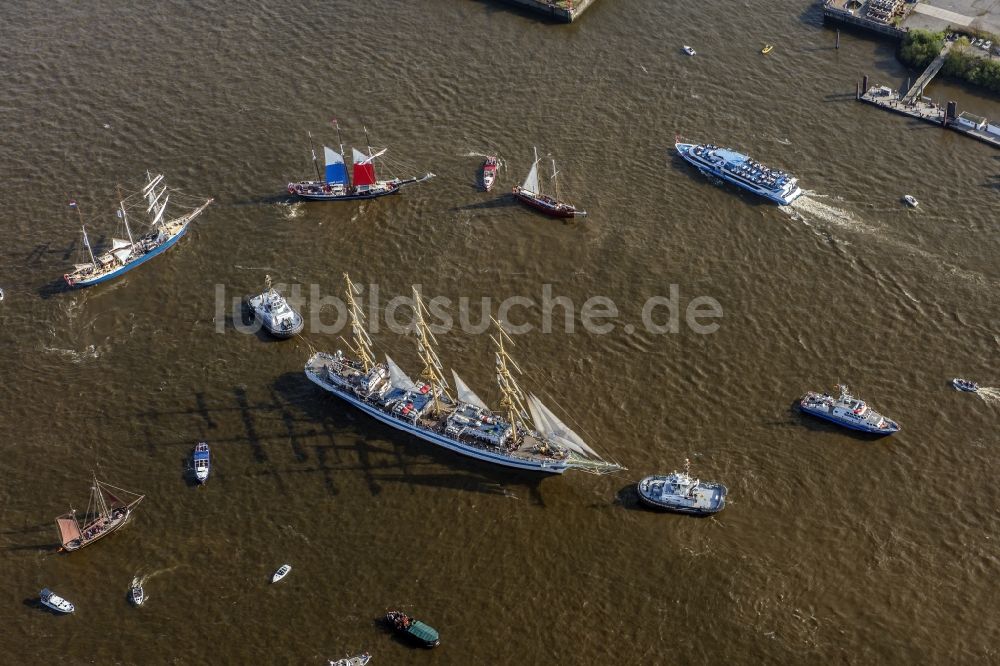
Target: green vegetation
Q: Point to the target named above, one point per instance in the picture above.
(920, 47)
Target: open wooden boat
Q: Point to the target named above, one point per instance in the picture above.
(414, 630)
(106, 512)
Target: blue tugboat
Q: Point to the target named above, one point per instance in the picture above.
(741, 170)
(681, 493)
(847, 411)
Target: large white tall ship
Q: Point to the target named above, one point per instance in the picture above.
(741, 170)
(524, 433)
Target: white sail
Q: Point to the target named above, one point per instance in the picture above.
(359, 157)
(559, 431)
(123, 254)
(159, 213)
(531, 182)
(397, 377)
(465, 394)
(118, 243)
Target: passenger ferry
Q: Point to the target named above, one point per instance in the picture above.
(741, 170)
(847, 411)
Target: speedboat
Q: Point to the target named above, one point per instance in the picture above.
(965, 385)
(690, 51)
(847, 411)
(680, 492)
(489, 172)
(767, 49)
(415, 630)
(273, 312)
(137, 595)
(55, 602)
(281, 572)
(202, 464)
(359, 660)
(911, 200)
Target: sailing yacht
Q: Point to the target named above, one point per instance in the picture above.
(530, 192)
(524, 433)
(106, 512)
(125, 255)
(334, 183)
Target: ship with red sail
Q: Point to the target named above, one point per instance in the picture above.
(531, 193)
(109, 509)
(335, 183)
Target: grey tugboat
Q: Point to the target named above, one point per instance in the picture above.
(682, 493)
(847, 411)
(273, 312)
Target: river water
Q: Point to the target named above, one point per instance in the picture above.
(832, 548)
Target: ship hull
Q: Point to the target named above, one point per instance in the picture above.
(114, 528)
(674, 508)
(860, 427)
(542, 207)
(132, 264)
(440, 440)
(319, 196)
(683, 149)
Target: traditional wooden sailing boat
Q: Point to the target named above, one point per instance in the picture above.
(336, 184)
(125, 255)
(106, 512)
(531, 193)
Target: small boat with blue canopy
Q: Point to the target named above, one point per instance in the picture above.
(201, 461)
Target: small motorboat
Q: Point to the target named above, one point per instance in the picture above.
(965, 385)
(281, 572)
(359, 660)
(1, 295)
(767, 49)
(202, 464)
(690, 51)
(489, 172)
(911, 200)
(415, 630)
(55, 602)
(137, 595)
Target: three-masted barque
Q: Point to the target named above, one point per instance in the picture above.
(109, 509)
(124, 255)
(524, 433)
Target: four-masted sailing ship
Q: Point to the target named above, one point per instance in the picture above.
(531, 193)
(109, 509)
(334, 183)
(524, 433)
(125, 255)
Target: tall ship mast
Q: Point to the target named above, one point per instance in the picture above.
(162, 232)
(530, 192)
(523, 433)
(109, 509)
(336, 184)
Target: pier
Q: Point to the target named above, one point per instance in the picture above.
(566, 11)
(917, 90)
(924, 109)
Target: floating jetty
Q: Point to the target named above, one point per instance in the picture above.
(912, 103)
(566, 11)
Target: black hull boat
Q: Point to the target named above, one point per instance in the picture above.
(530, 193)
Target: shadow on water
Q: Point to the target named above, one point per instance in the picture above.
(503, 7)
(54, 288)
(505, 201)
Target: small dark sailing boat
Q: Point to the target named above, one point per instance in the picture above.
(414, 630)
(335, 184)
(531, 193)
(106, 512)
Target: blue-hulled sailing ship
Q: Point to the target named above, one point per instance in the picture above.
(124, 255)
(334, 183)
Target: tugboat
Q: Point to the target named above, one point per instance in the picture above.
(966, 385)
(202, 464)
(359, 660)
(124, 255)
(336, 185)
(273, 312)
(415, 630)
(489, 172)
(681, 493)
(106, 512)
(531, 193)
(55, 602)
(847, 411)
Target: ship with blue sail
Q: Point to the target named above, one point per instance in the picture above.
(741, 170)
(524, 433)
(335, 183)
(162, 232)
